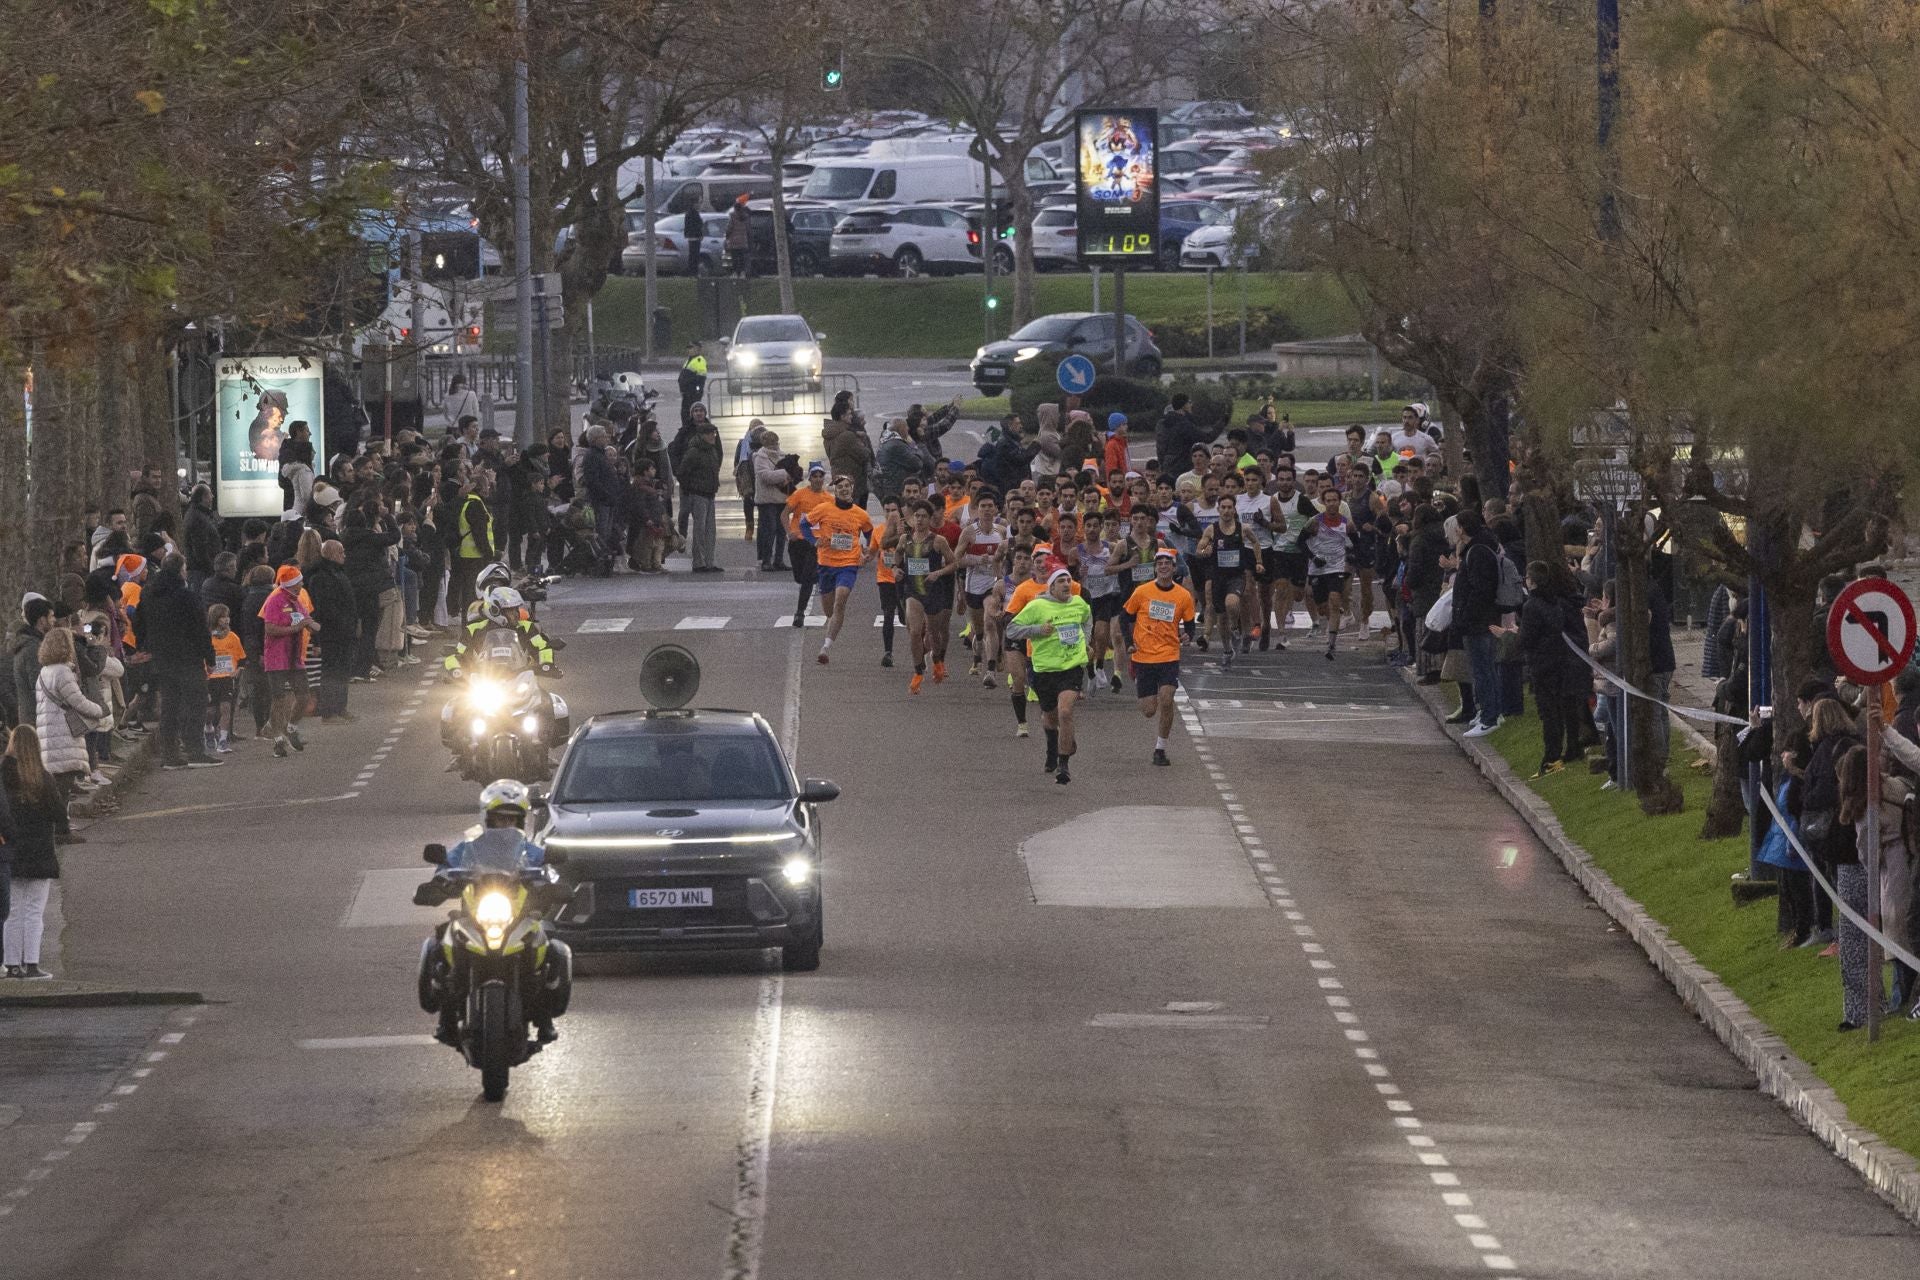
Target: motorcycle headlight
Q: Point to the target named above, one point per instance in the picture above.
(1026, 353)
(487, 697)
(797, 871)
(493, 913)
(479, 727)
(530, 725)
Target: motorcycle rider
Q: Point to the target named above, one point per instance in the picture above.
(502, 804)
(503, 607)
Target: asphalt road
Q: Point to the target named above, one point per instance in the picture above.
(1310, 1003)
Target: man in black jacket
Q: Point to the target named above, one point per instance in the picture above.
(173, 630)
(1476, 614)
(202, 537)
(699, 472)
(338, 614)
(1177, 434)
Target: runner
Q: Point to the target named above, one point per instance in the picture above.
(1026, 582)
(927, 563)
(1232, 554)
(1104, 544)
(800, 548)
(1157, 609)
(1326, 540)
(886, 573)
(1056, 623)
(1289, 512)
(841, 531)
(1254, 506)
(981, 538)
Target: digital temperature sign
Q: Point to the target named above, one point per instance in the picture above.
(1117, 181)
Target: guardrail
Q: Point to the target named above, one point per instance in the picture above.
(777, 395)
(495, 378)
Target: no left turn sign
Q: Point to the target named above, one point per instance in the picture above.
(1870, 631)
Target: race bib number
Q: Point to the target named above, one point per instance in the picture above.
(919, 566)
(1160, 610)
(1227, 557)
(1067, 634)
(841, 542)
(223, 664)
(1143, 573)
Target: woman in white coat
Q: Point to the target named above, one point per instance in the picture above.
(63, 711)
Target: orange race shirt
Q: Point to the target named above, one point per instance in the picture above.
(130, 602)
(228, 653)
(1157, 616)
(838, 532)
(801, 505)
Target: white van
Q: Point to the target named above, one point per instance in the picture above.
(907, 180)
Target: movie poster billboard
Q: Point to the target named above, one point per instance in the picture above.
(1117, 183)
(259, 396)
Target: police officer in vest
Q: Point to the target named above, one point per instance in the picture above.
(693, 384)
(472, 542)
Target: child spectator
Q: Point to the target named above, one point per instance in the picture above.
(223, 679)
(646, 520)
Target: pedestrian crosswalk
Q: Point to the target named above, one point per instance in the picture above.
(711, 622)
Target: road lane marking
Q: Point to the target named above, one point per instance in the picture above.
(603, 626)
(753, 1153)
(811, 620)
(702, 622)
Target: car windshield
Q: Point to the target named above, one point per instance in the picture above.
(837, 182)
(772, 329)
(673, 761)
(1047, 329)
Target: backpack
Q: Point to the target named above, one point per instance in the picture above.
(1512, 591)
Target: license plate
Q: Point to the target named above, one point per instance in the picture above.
(639, 898)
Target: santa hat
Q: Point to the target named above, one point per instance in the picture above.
(287, 576)
(129, 567)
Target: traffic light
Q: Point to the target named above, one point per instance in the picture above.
(993, 303)
(833, 76)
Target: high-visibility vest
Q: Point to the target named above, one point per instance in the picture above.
(469, 546)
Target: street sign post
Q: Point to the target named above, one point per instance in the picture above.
(1075, 375)
(1870, 634)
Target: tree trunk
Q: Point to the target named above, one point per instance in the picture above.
(1647, 763)
(13, 481)
(1020, 196)
(782, 246)
(1453, 449)
(1727, 808)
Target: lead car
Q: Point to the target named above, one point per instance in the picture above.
(686, 830)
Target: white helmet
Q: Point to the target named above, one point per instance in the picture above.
(493, 575)
(502, 606)
(505, 796)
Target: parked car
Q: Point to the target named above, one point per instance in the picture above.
(1087, 333)
(907, 240)
(1056, 238)
(670, 247)
(1179, 219)
(1242, 239)
(861, 180)
(1211, 113)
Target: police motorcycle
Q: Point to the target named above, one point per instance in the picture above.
(490, 973)
(501, 723)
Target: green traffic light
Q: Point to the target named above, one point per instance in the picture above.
(993, 303)
(833, 77)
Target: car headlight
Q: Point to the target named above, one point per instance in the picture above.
(530, 725)
(479, 727)
(797, 871)
(804, 356)
(980, 354)
(744, 359)
(1026, 353)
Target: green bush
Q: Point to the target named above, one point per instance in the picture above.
(1394, 385)
(1212, 401)
(1035, 383)
(1186, 334)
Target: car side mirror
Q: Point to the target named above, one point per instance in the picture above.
(434, 855)
(818, 791)
(819, 338)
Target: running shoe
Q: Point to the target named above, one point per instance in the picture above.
(1020, 729)
(886, 659)
(939, 673)
(1160, 757)
(913, 685)
(1063, 777)
(1113, 682)
(293, 736)
(822, 659)
(799, 619)
(986, 681)
(974, 670)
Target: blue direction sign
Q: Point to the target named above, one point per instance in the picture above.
(1076, 375)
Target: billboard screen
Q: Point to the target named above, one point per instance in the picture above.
(258, 397)
(1116, 176)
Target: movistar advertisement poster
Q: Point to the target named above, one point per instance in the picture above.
(1117, 181)
(259, 396)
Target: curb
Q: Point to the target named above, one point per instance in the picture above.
(79, 996)
(135, 764)
(1891, 1172)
